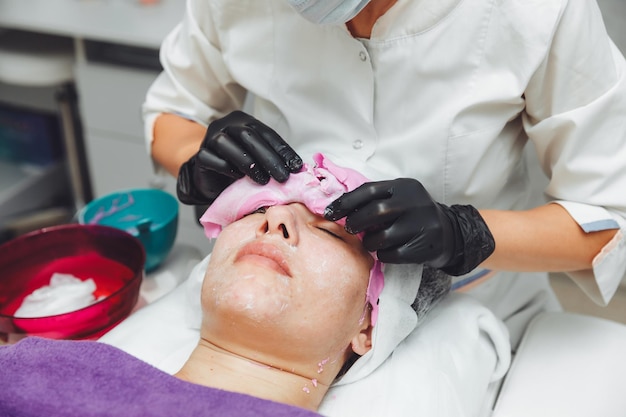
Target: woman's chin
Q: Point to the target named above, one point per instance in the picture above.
(252, 301)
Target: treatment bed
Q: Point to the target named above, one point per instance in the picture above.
(457, 362)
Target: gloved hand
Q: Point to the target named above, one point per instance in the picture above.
(403, 224)
(234, 146)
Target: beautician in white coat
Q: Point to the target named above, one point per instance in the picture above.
(442, 93)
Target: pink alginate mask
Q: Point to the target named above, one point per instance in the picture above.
(314, 186)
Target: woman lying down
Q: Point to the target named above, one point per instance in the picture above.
(291, 303)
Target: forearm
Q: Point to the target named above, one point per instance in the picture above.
(542, 239)
(176, 139)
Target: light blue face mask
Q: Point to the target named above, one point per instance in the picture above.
(328, 12)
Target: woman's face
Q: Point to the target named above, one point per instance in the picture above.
(286, 280)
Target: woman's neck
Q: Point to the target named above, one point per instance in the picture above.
(362, 24)
(211, 366)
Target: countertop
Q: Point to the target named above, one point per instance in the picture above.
(117, 21)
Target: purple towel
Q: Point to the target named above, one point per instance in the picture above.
(53, 378)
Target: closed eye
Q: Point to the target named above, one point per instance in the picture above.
(330, 233)
(260, 210)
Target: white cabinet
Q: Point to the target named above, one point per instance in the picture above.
(110, 98)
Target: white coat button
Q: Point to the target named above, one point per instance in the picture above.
(363, 56)
(357, 144)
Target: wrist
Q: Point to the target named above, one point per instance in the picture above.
(473, 240)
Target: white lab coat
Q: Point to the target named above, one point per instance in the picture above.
(445, 91)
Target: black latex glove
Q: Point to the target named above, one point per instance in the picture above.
(403, 224)
(234, 146)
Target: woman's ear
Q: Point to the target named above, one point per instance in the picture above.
(362, 341)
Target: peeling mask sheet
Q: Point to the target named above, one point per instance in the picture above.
(315, 186)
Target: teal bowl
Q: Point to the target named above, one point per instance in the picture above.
(149, 214)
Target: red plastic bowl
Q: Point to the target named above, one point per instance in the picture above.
(111, 257)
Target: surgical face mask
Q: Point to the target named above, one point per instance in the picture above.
(328, 12)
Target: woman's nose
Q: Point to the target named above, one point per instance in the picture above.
(280, 220)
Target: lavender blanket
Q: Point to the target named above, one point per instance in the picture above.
(41, 377)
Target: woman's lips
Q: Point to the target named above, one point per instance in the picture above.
(264, 254)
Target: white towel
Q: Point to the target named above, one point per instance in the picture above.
(446, 367)
(396, 319)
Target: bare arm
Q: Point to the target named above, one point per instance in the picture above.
(542, 239)
(176, 139)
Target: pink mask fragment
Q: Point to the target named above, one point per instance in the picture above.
(314, 186)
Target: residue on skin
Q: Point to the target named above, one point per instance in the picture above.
(320, 365)
(249, 292)
(325, 266)
(365, 311)
(306, 388)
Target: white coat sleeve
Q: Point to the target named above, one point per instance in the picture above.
(575, 116)
(195, 82)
